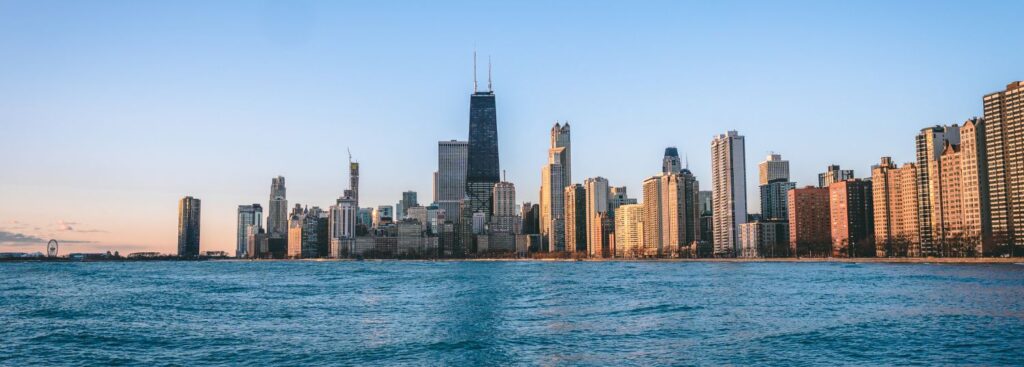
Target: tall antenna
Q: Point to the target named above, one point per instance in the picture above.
(474, 70)
(349, 154)
(687, 155)
(489, 87)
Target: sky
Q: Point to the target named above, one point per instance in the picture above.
(111, 111)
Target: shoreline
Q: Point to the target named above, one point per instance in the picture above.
(907, 260)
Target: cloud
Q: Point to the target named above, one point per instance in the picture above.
(14, 238)
(65, 226)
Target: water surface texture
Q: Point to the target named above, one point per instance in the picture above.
(509, 313)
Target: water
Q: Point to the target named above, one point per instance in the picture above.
(509, 313)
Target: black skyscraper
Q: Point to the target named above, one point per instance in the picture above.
(482, 161)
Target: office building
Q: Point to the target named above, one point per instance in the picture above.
(452, 159)
(408, 201)
(530, 215)
(680, 211)
(575, 218)
(504, 223)
(188, 227)
(482, 167)
(671, 162)
(852, 217)
(248, 216)
(964, 201)
(617, 197)
(834, 174)
(342, 227)
(277, 212)
(555, 175)
(728, 191)
(596, 189)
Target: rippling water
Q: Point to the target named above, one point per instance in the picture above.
(509, 313)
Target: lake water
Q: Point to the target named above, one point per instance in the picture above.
(510, 313)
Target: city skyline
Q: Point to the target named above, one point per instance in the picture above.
(50, 197)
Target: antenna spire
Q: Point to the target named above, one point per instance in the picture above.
(474, 70)
(687, 155)
(490, 88)
(349, 154)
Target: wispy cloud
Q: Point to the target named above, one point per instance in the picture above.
(67, 226)
(15, 238)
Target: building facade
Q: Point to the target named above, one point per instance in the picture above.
(188, 226)
(277, 212)
(575, 218)
(852, 218)
(249, 216)
(809, 222)
(894, 201)
(728, 191)
(596, 189)
(1004, 136)
(629, 234)
(773, 169)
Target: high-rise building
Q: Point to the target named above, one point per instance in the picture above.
(809, 222)
(773, 169)
(852, 217)
(504, 223)
(277, 215)
(384, 214)
(452, 159)
(964, 200)
(353, 181)
(188, 227)
(894, 201)
(575, 218)
(929, 145)
(482, 167)
(671, 162)
(629, 230)
(342, 227)
(597, 204)
(248, 216)
(617, 197)
(531, 218)
(1004, 136)
(652, 218)
(728, 191)
(774, 197)
(408, 201)
(554, 177)
(833, 174)
(680, 211)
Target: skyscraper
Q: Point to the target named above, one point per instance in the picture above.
(833, 174)
(277, 215)
(773, 169)
(597, 204)
(728, 191)
(680, 206)
(504, 222)
(482, 169)
(554, 177)
(248, 216)
(188, 227)
(652, 219)
(929, 145)
(894, 201)
(1004, 135)
(575, 218)
(342, 227)
(408, 201)
(617, 197)
(353, 181)
(852, 218)
(451, 181)
(531, 218)
(671, 162)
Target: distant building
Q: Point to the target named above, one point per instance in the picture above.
(575, 218)
(531, 218)
(852, 218)
(505, 221)
(773, 169)
(930, 144)
(671, 162)
(408, 201)
(629, 230)
(188, 227)
(277, 215)
(964, 209)
(342, 227)
(597, 189)
(482, 167)
(617, 196)
(894, 201)
(764, 239)
(833, 174)
(384, 214)
(555, 175)
(809, 222)
(451, 178)
(728, 190)
(248, 216)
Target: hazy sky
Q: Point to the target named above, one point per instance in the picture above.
(112, 111)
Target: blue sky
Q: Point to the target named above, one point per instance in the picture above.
(110, 111)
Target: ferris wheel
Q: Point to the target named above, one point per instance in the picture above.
(51, 248)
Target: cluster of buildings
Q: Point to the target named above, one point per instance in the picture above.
(962, 196)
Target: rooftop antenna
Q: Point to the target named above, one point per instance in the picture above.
(349, 154)
(687, 157)
(490, 88)
(503, 176)
(474, 70)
